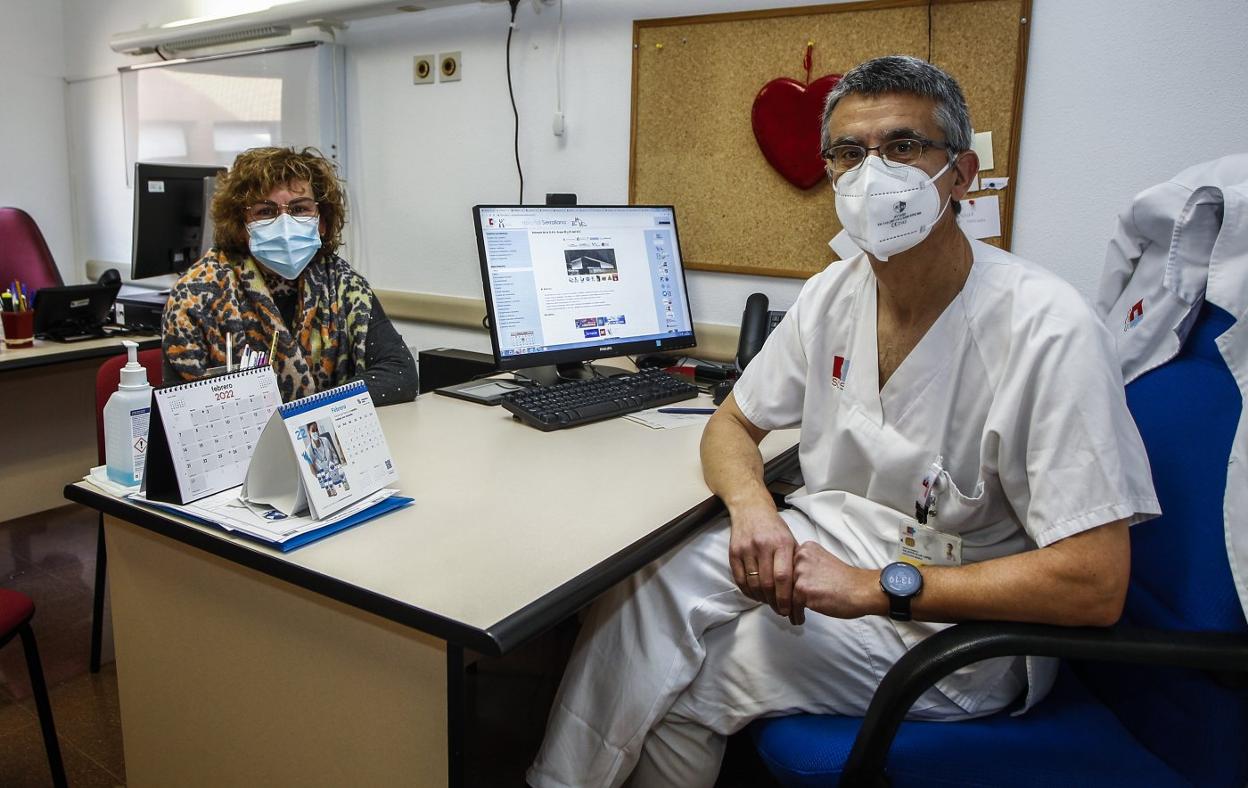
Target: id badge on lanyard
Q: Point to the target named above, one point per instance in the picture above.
(922, 544)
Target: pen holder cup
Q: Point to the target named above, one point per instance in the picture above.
(19, 328)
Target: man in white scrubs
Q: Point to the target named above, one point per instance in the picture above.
(948, 393)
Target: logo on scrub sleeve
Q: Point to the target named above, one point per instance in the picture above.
(840, 370)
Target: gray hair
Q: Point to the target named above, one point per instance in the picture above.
(905, 74)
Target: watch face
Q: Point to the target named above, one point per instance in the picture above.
(901, 579)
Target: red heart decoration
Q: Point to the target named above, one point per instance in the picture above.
(786, 119)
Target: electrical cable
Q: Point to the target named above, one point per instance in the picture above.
(511, 92)
(559, 67)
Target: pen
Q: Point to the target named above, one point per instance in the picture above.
(229, 353)
(688, 411)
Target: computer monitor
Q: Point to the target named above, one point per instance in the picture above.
(73, 312)
(172, 228)
(565, 285)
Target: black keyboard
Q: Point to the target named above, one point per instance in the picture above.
(578, 402)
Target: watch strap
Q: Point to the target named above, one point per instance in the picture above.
(898, 607)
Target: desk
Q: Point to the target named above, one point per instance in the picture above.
(47, 394)
(341, 663)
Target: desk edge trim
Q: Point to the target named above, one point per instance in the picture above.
(359, 598)
(499, 638)
(48, 359)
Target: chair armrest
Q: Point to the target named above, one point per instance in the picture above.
(963, 644)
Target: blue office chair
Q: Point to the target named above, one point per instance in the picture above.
(1160, 699)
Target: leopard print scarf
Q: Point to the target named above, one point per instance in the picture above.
(324, 347)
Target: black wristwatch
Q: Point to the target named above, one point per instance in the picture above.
(902, 582)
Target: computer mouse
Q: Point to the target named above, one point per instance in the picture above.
(721, 391)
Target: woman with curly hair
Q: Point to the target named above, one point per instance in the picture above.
(273, 272)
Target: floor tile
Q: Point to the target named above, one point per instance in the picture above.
(58, 604)
(64, 654)
(24, 763)
(88, 715)
(14, 717)
(79, 574)
(40, 585)
(9, 560)
(51, 539)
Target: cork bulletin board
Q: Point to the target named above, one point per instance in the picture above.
(695, 80)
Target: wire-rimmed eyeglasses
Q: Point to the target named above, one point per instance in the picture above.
(302, 209)
(840, 159)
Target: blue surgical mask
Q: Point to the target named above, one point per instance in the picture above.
(285, 245)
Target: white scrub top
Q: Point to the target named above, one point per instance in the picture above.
(1179, 244)
(1015, 387)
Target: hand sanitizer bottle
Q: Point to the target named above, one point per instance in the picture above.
(125, 422)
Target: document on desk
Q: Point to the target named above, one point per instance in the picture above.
(268, 525)
(666, 421)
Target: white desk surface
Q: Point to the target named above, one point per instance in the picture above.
(512, 528)
(44, 352)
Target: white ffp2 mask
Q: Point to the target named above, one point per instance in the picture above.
(888, 208)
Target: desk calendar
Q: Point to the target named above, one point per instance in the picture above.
(203, 433)
(321, 454)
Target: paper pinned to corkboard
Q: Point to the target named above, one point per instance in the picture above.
(694, 82)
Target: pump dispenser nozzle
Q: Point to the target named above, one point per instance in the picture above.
(133, 375)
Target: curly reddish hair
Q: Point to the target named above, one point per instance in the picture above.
(253, 177)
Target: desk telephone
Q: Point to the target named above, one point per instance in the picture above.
(757, 323)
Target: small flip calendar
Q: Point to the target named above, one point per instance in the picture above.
(321, 454)
(203, 433)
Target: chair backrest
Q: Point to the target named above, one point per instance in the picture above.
(1187, 411)
(15, 610)
(24, 254)
(109, 376)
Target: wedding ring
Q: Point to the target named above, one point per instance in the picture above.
(752, 574)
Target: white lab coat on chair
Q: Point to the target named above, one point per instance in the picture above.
(1179, 244)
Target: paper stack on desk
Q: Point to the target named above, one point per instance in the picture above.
(265, 524)
(308, 468)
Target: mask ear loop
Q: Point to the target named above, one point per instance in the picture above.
(932, 181)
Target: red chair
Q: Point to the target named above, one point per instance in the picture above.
(16, 610)
(24, 254)
(106, 381)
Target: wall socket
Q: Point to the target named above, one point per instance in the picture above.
(423, 70)
(450, 67)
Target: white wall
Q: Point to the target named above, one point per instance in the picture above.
(1120, 94)
(103, 202)
(32, 123)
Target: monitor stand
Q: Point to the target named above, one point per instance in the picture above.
(549, 375)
